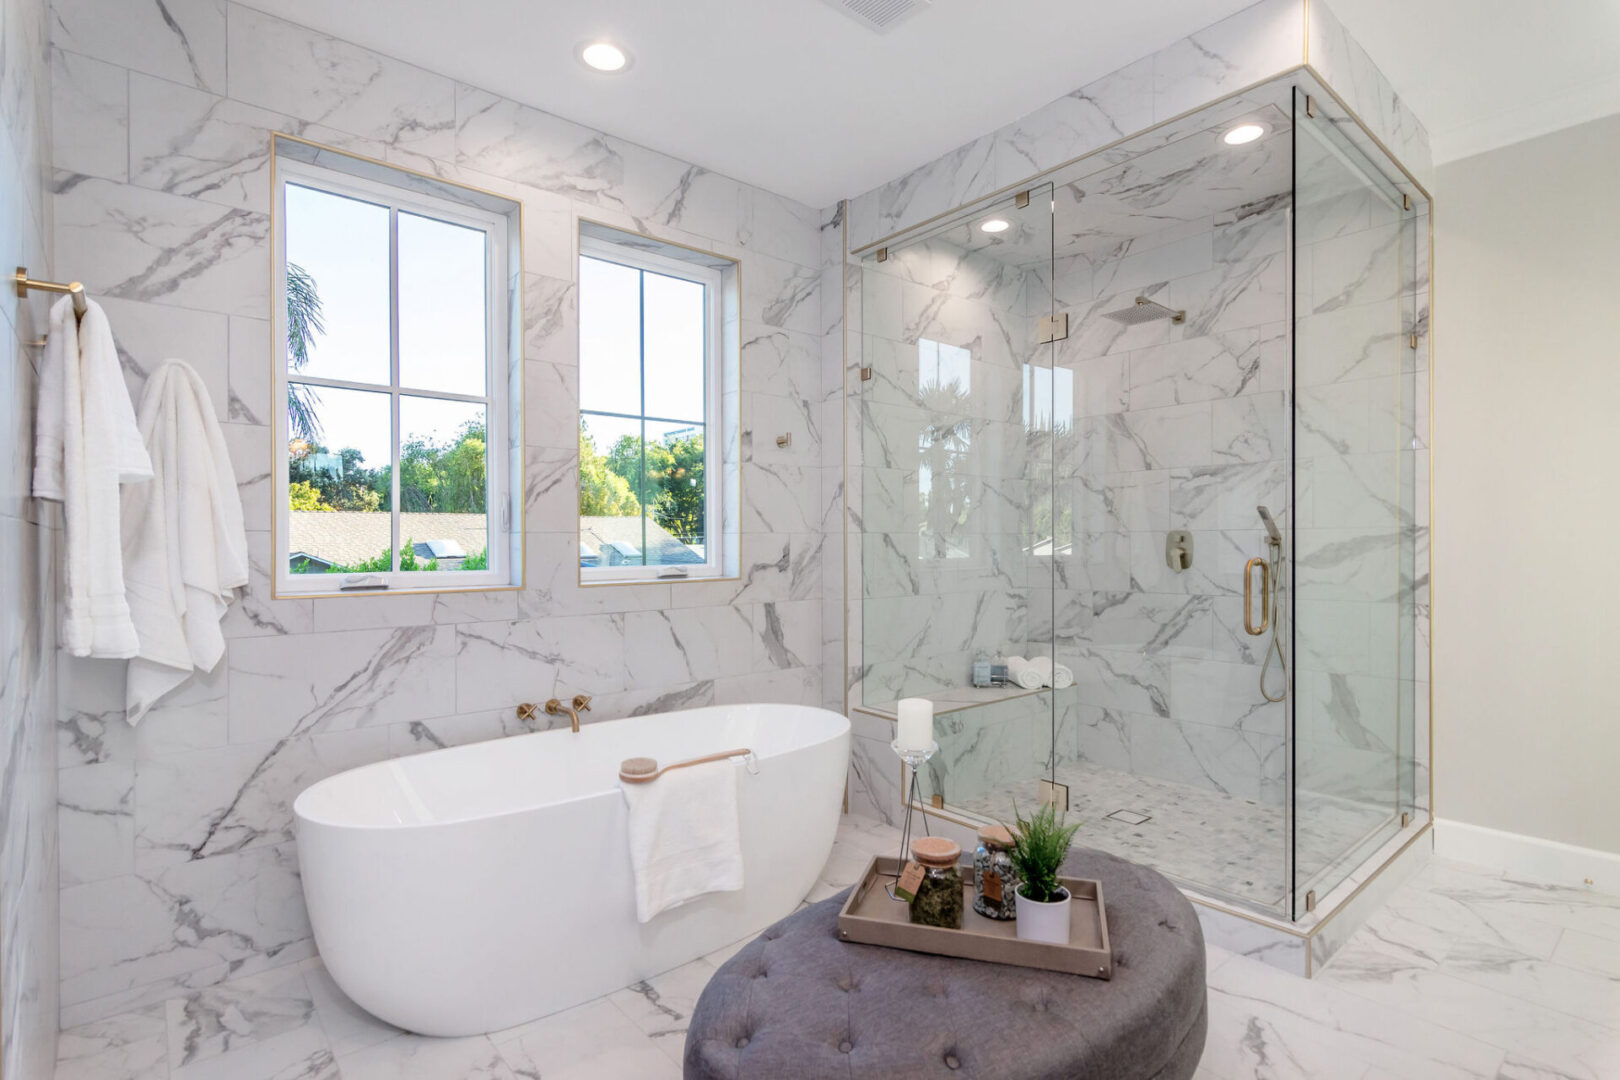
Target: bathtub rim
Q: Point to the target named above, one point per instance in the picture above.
(302, 816)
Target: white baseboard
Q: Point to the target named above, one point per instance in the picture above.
(1528, 857)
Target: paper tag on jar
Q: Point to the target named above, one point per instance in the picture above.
(992, 887)
(910, 880)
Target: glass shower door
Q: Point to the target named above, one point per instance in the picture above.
(955, 493)
(1351, 542)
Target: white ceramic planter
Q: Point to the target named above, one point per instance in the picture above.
(1047, 922)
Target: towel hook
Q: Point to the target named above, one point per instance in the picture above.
(75, 289)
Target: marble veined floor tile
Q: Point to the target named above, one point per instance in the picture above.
(408, 1057)
(348, 1026)
(1582, 950)
(129, 1046)
(661, 1007)
(594, 1041)
(1464, 974)
(234, 1015)
(1267, 1023)
(299, 1054)
(1443, 1001)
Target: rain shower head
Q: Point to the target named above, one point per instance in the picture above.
(1145, 310)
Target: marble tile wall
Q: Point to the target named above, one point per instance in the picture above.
(1345, 66)
(1252, 45)
(1263, 40)
(29, 539)
(179, 866)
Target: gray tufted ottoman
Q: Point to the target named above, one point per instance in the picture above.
(799, 1004)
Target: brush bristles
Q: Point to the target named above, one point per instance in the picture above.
(638, 766)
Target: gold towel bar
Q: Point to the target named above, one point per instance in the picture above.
(73, 288)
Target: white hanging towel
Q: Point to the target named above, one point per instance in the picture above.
(85, 446)
(185, 548)
(685, 836)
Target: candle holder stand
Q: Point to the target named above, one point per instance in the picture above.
(914, 759)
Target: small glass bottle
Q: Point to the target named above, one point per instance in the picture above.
(995, 882)
(938, 899)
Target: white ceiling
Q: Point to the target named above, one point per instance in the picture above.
(1485, 73)
(790, 95)
(801, 100)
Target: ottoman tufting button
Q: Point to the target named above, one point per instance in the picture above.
(844, 1047)
(951, 1062)
(742, 1042)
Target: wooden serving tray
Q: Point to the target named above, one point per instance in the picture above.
(871, 917)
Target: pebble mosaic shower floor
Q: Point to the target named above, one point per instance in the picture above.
(1206, 839)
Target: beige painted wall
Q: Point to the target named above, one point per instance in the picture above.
(1527, 487)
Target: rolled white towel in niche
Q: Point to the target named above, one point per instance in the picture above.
(1025, 673)
(1054, 675)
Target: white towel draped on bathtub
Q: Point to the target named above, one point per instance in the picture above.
(685, 836)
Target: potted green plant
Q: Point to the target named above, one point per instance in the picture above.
(1040, 844)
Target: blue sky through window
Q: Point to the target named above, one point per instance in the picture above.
(343, 244)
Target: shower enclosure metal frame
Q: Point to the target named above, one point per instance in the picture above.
(1414, 781)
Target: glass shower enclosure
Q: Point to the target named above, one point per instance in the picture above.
(1086, 408)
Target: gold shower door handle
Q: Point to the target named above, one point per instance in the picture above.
(1248, 596)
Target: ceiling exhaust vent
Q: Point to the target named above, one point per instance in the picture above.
(879, 15)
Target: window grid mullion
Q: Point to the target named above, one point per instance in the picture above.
(393, 382)
(641, 368)
(639, 416)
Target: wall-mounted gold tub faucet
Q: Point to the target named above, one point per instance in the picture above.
(554, 707)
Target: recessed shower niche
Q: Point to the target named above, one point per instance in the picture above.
(1160, 415)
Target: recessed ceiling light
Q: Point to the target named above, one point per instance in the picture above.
(994, 225)
(603, 56)
(1243, 133)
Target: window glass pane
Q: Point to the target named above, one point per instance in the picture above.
(609, 337)
(674, 314)
(443, 485)
(610, 485)
(442, 296)
(338, 481)
(673, 493)
(337, 287)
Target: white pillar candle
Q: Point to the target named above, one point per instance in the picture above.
(916, 727)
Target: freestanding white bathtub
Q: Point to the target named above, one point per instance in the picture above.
(469, 889)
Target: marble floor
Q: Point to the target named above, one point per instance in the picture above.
(1205, 839)
(1463, 975)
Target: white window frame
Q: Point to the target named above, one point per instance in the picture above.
(712, 278)
(499, 513)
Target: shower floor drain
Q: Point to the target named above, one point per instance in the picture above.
(1130, 817)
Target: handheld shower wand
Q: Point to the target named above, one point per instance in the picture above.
(1269, 571)
(1271, 525)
